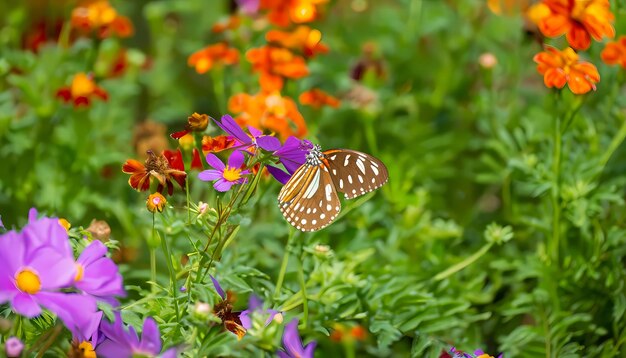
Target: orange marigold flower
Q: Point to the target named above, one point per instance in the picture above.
(156, 202)
(284, 12)
(580, 20)
(158, 167)
(317, 98)
(100, 16)
(269, 110)
(274, 64)
(560, 67)
(614, 53)
(204, 59)
(81, 91)
(216, 144)
(358, 332)
(303, 39)
(231, 23)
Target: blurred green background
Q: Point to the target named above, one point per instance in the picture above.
(452, 251)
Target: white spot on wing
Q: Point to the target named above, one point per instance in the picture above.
(345, 161)
(374, 168)
(361, 166)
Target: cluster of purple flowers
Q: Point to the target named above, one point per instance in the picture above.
(292, 344)
(39, 272)
(292, 154)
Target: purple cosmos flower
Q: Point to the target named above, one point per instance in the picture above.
(97, 275)
(255, 305)
(125, 343)
(293, 344)
(292, 155)
(267, 142)
(36, 264)
(224, 176)
(13, 347)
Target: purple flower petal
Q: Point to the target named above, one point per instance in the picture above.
(228, 125)
(278, 174)
(218, 288)
(236, 159)
(75, 310)
(150, 337)
(268, 142)
(244, 317)
(309, 349)
(293, 153)
(210, 175)
(54, 269)
(12, 251)
(255, 132)
(254, 302)
(32, 215)
(25, 305)
(291, 339)
(100, 277)
(214, 161)
(273, 314)
(223, 185)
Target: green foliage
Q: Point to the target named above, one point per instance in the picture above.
(483, 237)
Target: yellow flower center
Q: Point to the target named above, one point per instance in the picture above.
(28, 281)
(87, 350)
(232, 174)
(82, 85)
(80, 272)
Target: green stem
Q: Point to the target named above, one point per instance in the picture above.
(170, 269)
(153, 257)
(187, 190)
(283, 266)
(615, 143)
(463, 264)
(305, 302)
(556, 205)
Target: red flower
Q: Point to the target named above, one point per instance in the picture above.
(81, 91)
(158, 167)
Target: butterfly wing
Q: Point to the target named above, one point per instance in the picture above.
(309, 200)
(355, 173)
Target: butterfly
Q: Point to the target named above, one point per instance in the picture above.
(309, 200)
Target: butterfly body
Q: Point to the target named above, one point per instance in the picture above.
(309, 201)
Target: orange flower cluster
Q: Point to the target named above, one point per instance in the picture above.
(81, 91)
(101, 17)
(614, 53)
(579, 20)
(304, 39)
(204, 59)
(284, 12)
(269, 110)
(274, 64)
(561, 67)
(317, 98)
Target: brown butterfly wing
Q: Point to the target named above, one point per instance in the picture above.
(355, 173)
(309, 200)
